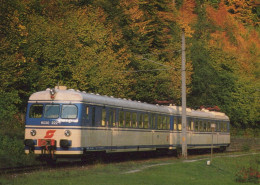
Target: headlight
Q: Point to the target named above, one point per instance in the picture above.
(67, 133)
(33, 132)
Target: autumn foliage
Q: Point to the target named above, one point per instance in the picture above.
(131, 49)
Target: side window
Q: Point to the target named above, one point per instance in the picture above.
(69, 112)
(223, 127)
(175, 123)
(36, 111)
(146, 121)
(179, 123)
(112, 118)
(121, 118)
(204, 126)
(103, 122)
(127, 119)
(93, 116)
(153, 117)
(140, 121)
(196, 128)
(159, 122)
(190, 124)
(200, 126)
(167, 122)
(164, 127)
(208, 126)
(134, 120)
(87, 112)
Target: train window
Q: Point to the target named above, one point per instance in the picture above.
(208, 126)
(200, 126)
(103, 123)
(134, 119)
(175, 123)
(127, 119)
(121, 118)
(217, 127)
(140, 121)
(179, 123)
(93, 116)
(146, 121)
(159, 122)
(111, 118)
(36, 111)
(164, 126)
(69, 112)
(52, 111)
(196, 128)
(204, 126)
(87, 112)
(223, 127)
(190, 124)
(153, 117)
(168, 123)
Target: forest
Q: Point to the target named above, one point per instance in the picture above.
(132, 49)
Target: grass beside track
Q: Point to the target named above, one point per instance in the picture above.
(222, 171)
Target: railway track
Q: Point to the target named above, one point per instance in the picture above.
(21, 169)
(110, 158)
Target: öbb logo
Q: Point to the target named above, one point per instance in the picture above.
(49, 133)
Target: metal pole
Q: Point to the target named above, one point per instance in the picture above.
(211, 153)
(183, 95)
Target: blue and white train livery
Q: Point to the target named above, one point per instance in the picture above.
(61, 122)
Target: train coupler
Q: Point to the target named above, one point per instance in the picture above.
(48, 148)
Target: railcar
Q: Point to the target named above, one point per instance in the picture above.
(65, 123)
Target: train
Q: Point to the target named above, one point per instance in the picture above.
(64, 123)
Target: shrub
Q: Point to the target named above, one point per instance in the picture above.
(249, 174)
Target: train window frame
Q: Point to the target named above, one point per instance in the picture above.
(208, 126)
(196, 126)
(179, 124)
(121, 120)
(201, 126)
(36, 105)
(111, 117)
(127, 119)
(146, 121)
(175, 123)
(87, 112)
(68, 105)
(159, 122)
(190, 124)
(153, 121)
(204, 126)
(140, 120)
(103, 117)
(51, 116)
(163, 123)
(93, 116)
(134, 120)
(168, 126)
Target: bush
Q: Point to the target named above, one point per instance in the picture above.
(249, 174)
(12, 152)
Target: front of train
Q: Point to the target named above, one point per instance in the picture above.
(52, 127)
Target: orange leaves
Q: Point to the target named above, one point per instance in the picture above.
(233, 37)
(220, 16)
(187, 16)
(136, 16)
(243, 10)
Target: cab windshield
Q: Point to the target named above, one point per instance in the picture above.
(53, 111)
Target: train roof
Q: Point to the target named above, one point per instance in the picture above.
(71, 95)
